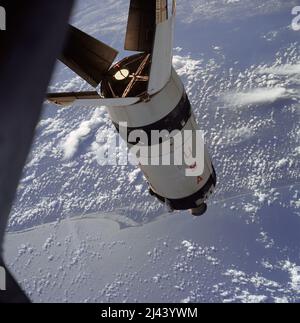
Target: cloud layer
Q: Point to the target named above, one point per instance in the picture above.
(256, 96)
(74, 139)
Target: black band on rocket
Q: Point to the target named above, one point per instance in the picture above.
(175, 120)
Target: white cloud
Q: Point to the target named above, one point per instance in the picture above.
(257, 96)
(74, 139)
(186, 300)
(193, 11)
(281, 300)
(246, 297)
(237, 135)
(283, 70)
(294, 272)
(186, 66)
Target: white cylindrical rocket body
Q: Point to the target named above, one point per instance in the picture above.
(170, 110)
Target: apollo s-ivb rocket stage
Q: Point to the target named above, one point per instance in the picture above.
(144, 92)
